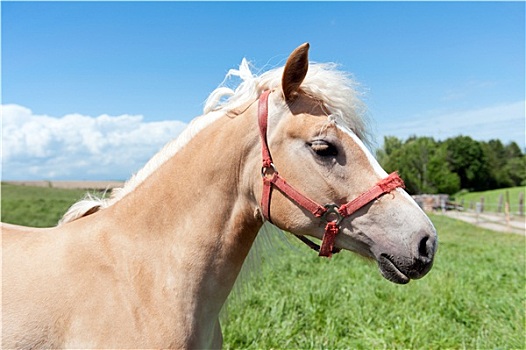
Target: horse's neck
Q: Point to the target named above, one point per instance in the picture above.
(197, 211)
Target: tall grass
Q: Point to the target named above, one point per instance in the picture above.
(474, 297)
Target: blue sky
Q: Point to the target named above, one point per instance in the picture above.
(137, 72)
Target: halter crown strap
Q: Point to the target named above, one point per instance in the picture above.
(263, 122)
(271, 176)
(332, 214)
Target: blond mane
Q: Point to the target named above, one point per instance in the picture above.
(324, 82)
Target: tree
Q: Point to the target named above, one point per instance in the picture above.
(513, 150)
(506, 164)
(515, 169)
(441, 178)
(496, 156)
(466, 157)
(391, 144)
(420, 163)
(428, 166)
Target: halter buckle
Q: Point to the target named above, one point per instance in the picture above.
(332, 214)
(269, 171)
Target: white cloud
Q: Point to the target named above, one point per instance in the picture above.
(79, 147)
(505, 122)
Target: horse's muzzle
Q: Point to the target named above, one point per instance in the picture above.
(400, 269)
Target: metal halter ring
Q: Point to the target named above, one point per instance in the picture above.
(264, 170)
(332, 214)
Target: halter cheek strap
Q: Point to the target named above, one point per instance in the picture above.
(330, 213)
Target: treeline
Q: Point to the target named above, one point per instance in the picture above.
(429, 166)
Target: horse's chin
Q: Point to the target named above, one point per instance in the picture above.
(390, 271)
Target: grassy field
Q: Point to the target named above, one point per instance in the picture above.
(491, 198)
(36, 206)
(473, 298)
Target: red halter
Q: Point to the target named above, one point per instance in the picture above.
(331, 213)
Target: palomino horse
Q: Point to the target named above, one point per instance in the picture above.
(151, 266)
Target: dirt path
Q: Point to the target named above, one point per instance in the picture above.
(495, 222)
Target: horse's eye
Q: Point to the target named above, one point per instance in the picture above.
(323, 148)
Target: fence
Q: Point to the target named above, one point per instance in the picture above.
(498, 213)
(503, 205)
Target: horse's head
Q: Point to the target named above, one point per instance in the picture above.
(316, 150)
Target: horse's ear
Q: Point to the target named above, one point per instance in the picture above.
(295, 71)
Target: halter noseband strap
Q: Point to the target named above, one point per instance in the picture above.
(331, 213)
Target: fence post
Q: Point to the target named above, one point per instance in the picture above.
(481, 204)
(521, 203)
(499, 207)
(507, 209)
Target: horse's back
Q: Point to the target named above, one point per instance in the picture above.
(61, 289)
(13, 232)
(29, 257)
(19, 241)
(12, 227)
(82, 285)
(25, 240)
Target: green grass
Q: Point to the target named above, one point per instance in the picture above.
(491, 198)
(36, 206)
(473, 298)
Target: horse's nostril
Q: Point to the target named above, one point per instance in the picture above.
(423, 261)
(423, 247)
(426, 248)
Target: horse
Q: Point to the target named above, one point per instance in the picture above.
(152, 265)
